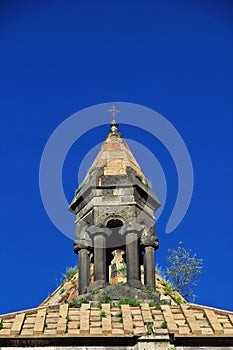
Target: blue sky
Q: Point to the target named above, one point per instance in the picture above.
(58, 57)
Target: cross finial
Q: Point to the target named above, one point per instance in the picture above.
(113, 110)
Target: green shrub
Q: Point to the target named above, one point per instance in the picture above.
(70, 272)
(62, 290)
(95, 291)
(147, 291)
(149, 326)
(102, 314)
(77, 303)
(164, 324)
(184, 270)
(105, 300)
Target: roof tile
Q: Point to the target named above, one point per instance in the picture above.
(17, 324)
(40, 321)
(168, 316)
(214, 322)
(191, 320)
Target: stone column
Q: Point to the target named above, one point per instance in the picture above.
(149, 267)
(132, 259)
(84, 270)
(108, 262)
(99, 236)
(100, 258)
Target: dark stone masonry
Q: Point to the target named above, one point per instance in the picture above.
(114, 208)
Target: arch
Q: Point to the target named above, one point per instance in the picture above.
(114, 223)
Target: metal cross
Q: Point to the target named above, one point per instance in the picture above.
(113, 110)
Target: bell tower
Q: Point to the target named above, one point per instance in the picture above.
(114, 208)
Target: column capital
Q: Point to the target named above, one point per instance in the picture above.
(82, 244)
(150, 241)
(133, 227)
(94, 230)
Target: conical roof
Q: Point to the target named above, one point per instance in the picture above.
(114, 167)
(115, 156)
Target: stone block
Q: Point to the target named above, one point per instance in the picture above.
(27, 332)
(17, 324)
(118, 332)
(95, 331)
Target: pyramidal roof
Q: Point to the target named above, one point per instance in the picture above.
(68, 289)
(115, 156)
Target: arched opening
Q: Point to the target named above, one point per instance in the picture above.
(116, 265)
(114, 223)
(118, 268)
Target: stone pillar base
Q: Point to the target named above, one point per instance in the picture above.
(135, 284)
(117, 292)
(97, 285)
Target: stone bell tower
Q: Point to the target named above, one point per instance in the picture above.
(114, 208)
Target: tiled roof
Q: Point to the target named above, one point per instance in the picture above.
(56, 317)
(59, 317)
(62, 320)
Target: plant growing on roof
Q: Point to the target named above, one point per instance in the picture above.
(95, 291)
(149, 326)
(184, 270)
(77, 303)
(164, 324)
(148, 291)
(62, 290)
(130, 302)
(70, 272)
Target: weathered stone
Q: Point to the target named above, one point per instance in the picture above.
(149, 268)
(99, 258)
(114, 209)
(132, 259)
(84, 266)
